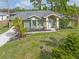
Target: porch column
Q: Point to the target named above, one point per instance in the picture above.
(47, 24)
(36, 24)
(78, 19)
(57, 23)
(31, 23)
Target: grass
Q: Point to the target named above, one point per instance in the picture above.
(29, 46)
(3, 29)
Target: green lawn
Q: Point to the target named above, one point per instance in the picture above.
(3, 29)
(29, 46)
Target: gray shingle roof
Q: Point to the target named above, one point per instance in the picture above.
(26, 15)
(3, 14)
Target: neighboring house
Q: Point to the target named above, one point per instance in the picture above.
(39, 20)
(3, 16)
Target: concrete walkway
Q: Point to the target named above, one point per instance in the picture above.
(5, 37)
(40, 32)
(53, 30)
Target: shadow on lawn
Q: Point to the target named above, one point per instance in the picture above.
(5, 26)
(44, 54)
(51, 41)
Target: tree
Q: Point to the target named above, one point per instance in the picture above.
(72, 13)
(37, 2)
(68, 48)
(51, 2)
(59, 5)
(8, 4)
(19, 9)
(44, 7)
(19, 26)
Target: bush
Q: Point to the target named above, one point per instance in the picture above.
(71, 44)
(68, 49)
(64, 23)
(59, 54)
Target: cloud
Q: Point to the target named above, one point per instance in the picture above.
(24, 4)
(71, 2)
(74, 0)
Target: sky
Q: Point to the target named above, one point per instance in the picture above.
(71, 2)
(26, 3)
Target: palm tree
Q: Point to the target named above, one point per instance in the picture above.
(19, 26)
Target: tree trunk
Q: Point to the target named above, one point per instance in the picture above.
(39, 4)
(51, 5)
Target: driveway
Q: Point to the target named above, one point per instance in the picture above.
(5, 37)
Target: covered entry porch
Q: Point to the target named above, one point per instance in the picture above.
(35, 23)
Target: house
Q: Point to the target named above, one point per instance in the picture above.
(39, 20)
(3, 16)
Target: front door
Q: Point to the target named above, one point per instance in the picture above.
(27, 25)
(33, 24)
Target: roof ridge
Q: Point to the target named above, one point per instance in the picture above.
(34, 11)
